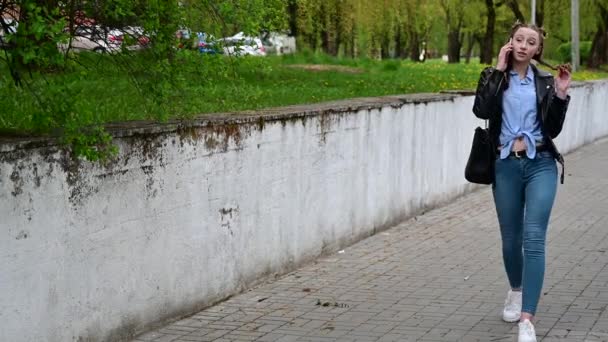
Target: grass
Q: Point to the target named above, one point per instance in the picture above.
(99, 90)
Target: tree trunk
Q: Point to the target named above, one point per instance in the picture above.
(398, 46)
(515, 8)
(325, 41)
(401, 43)
(454, 46)
(353, 42)
(324, 23)
(338, 34)
(486, 49)
(414, 47)
(292, 11)
(470, 45)
(337, 42)
(385, 52)
(454, 35)
(540, 13)
(599, 47)
(313, 40)
(375, 49)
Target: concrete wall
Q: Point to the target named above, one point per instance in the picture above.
(586, 119)
(187, 216)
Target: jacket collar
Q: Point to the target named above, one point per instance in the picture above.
(543, 81)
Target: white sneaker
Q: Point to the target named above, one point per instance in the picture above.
(526, 332)
(512, 310)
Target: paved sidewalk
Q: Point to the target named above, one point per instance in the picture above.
(437, 277)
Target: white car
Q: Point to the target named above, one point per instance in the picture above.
(278, 43)
(136, 37)
(94, 38)
(12, 28)
(105, 40)
(241, 45)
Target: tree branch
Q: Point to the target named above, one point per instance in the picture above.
(514, 6)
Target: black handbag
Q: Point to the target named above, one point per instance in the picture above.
(480, 166)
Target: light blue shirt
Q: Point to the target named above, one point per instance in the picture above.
(519, 117)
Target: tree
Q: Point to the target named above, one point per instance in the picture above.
(599, 46)
(454, 15)
(514, 6)
(418, 24)
(31, 53)
(34, 42)
(540, 13)
(292, 12)
(227, 17)
(556, 21)
(486, 51)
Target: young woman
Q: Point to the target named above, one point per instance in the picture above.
(526, 108)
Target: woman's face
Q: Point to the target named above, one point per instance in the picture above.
(526, 44)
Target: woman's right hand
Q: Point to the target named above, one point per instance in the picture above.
(503, 56)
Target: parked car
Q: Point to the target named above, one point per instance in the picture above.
(93, 38)
(183, 33)
(241, 45)
(136, 37)
(207, 44)
(278, 43)
(12, 28)
(105, 40)
(183, 39)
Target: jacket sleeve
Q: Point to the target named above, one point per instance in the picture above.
(556, 114)
(486, 97)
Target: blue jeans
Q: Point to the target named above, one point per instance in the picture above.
(524, 191)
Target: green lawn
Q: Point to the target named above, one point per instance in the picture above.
(97, 90)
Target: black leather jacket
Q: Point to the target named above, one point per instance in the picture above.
(550, 108)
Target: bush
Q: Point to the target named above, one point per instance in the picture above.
(564, 52)
(43, 85)
(391, 65)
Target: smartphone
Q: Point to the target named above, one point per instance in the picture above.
(510, 57)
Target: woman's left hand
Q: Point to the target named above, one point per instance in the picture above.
(562, 82)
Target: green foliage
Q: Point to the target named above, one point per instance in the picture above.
(391, 65)
(565, 52)
(92, 93)
(359, 28)
(34, 45)
(558, 25)
(227, 17)
(93, 144)
(48, 91)
(395, 28)
(51, 91)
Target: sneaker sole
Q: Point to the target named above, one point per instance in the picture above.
(511, 320)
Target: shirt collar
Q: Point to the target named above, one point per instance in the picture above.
(529, 73)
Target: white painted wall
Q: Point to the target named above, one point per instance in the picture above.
(181, 220)
(586, 119)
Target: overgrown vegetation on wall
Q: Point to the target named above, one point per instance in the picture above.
(49, 88)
